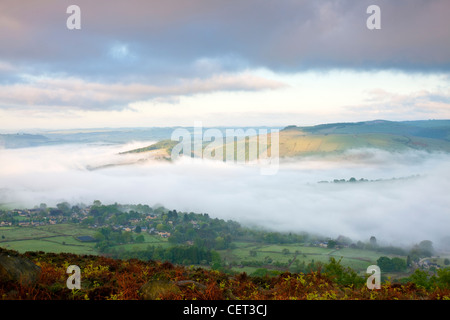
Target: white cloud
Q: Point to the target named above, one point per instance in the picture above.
(420, 104)
(76, 93)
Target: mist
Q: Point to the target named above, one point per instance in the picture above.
(395, 211)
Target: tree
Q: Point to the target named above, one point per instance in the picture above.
(385, 264)
(443, 279)
(426, 246)
(331, 244)
(127, 237)
(97, 203)
(76, 209)
(340, 274)
(64, 207)
(408, 261)
(138, 229)
(398, 264)
(422, 279)
(219, 243)
(140, 239)
(373, 241)
(172, 215)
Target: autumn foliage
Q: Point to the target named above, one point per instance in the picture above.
(105, 278)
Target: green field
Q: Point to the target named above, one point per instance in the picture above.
(357, 259)
(149, 240)
(62, 238)
(243, 256)
(51, 238)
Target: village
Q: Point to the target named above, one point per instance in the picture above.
(151, 223)
(129, 222)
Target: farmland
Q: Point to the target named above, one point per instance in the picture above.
(282, 257)
(138, 231)
(51, 238)
(63, 238)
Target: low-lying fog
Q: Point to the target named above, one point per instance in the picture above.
(401, 211)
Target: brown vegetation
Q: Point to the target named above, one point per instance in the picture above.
(110, 279)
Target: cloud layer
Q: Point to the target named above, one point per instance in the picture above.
(162, 52)
(76, 93)
(401, 211)
(287, 35)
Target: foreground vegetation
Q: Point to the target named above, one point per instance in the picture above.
(139, 252)
(105, 278)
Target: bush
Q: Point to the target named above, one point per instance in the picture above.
(443, 278)
(342, 276)
(423, 279)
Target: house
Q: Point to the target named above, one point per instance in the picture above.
(323, 244)
(164, 234)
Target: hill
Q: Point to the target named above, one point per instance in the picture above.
(10, 141)
(103, 278)
(427, 135)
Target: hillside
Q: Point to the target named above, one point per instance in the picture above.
(42, 276)
(427, 135)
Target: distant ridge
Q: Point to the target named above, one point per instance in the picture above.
(436, 129)
(426, 135)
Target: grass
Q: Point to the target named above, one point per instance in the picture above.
(149, 240)
(293, 142)
(44, 245)
(163, 144)
(356, 259)
(62, 238)
(51, 238)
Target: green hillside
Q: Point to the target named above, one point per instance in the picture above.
(166, 145)
(427, 135)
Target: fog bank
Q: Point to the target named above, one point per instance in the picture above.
(400, 211)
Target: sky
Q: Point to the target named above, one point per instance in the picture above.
(226, 63)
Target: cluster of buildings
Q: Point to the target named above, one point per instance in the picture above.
(425, 264)
(35, 217)
(134, 225)
(31, 218)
